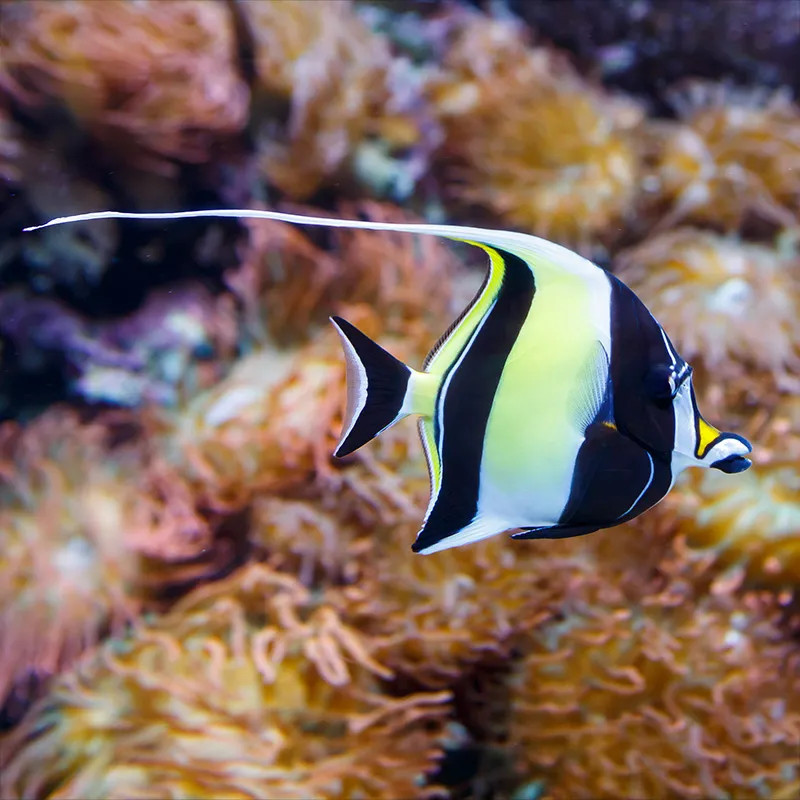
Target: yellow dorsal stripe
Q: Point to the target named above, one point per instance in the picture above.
(451, 345)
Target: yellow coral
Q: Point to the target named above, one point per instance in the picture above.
(159, 75)
(752, 525)
(735, 153)
(323, 62)
(676, 696)
(727, 304)
(529, 139)
(251, 687)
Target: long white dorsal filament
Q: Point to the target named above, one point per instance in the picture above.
(522, 244)
(252, 213)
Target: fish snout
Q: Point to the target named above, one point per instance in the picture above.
(731, 464)
(728, 455)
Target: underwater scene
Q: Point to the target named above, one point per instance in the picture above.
(562, 236)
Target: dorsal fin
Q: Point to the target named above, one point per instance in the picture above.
(522, 244)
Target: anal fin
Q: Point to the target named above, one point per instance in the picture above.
(431, 540)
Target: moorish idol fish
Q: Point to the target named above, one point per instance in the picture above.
(554, 406)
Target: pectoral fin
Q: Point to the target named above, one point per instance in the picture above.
(591, 398)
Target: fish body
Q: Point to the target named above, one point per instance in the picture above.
(556, 405)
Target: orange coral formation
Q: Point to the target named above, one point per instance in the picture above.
(529, 139)
(78, 524)
(346, 517)
(730, 305)
(679, 695)
(271, 424)
(160, 75)
(251, 687)
(736, 153)
(334, 74)
(288, 284)
(66, 571)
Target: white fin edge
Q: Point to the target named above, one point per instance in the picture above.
(480, 528)
(521, 244)
(356, 386)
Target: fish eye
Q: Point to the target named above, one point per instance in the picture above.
(660, 383)
(663, 382)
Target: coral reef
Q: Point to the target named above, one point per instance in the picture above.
(729, 305)
(270, 424)
(735, 155)
(66, 572)
(82, 522)
(752, 529)
(10, 149)
(78, 257)
(288, 285)
(645, 48)
(196, 599)
(684, 694)
(531, 141)
(325, 84)
(152, 356)
(154, 81)
(250, 687)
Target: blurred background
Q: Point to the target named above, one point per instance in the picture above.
(196, 600)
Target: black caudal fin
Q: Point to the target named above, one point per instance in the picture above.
(376, 388)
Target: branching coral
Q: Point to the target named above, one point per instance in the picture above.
(736, 153)
(77, 523)
(729, 305)
(324, 84)
(679, 695)
(160, 75)
(530, 140)
(251, 687)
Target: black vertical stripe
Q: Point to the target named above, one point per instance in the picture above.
(468, 403)
(611, 471)
(637, 347)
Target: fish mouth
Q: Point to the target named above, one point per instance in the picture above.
(732, 464)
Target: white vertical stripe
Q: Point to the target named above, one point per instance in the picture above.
(440, 410)
(361, 387)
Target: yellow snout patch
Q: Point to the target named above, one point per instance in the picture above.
(707, 435)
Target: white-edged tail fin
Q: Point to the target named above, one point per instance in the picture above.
(377, 385)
